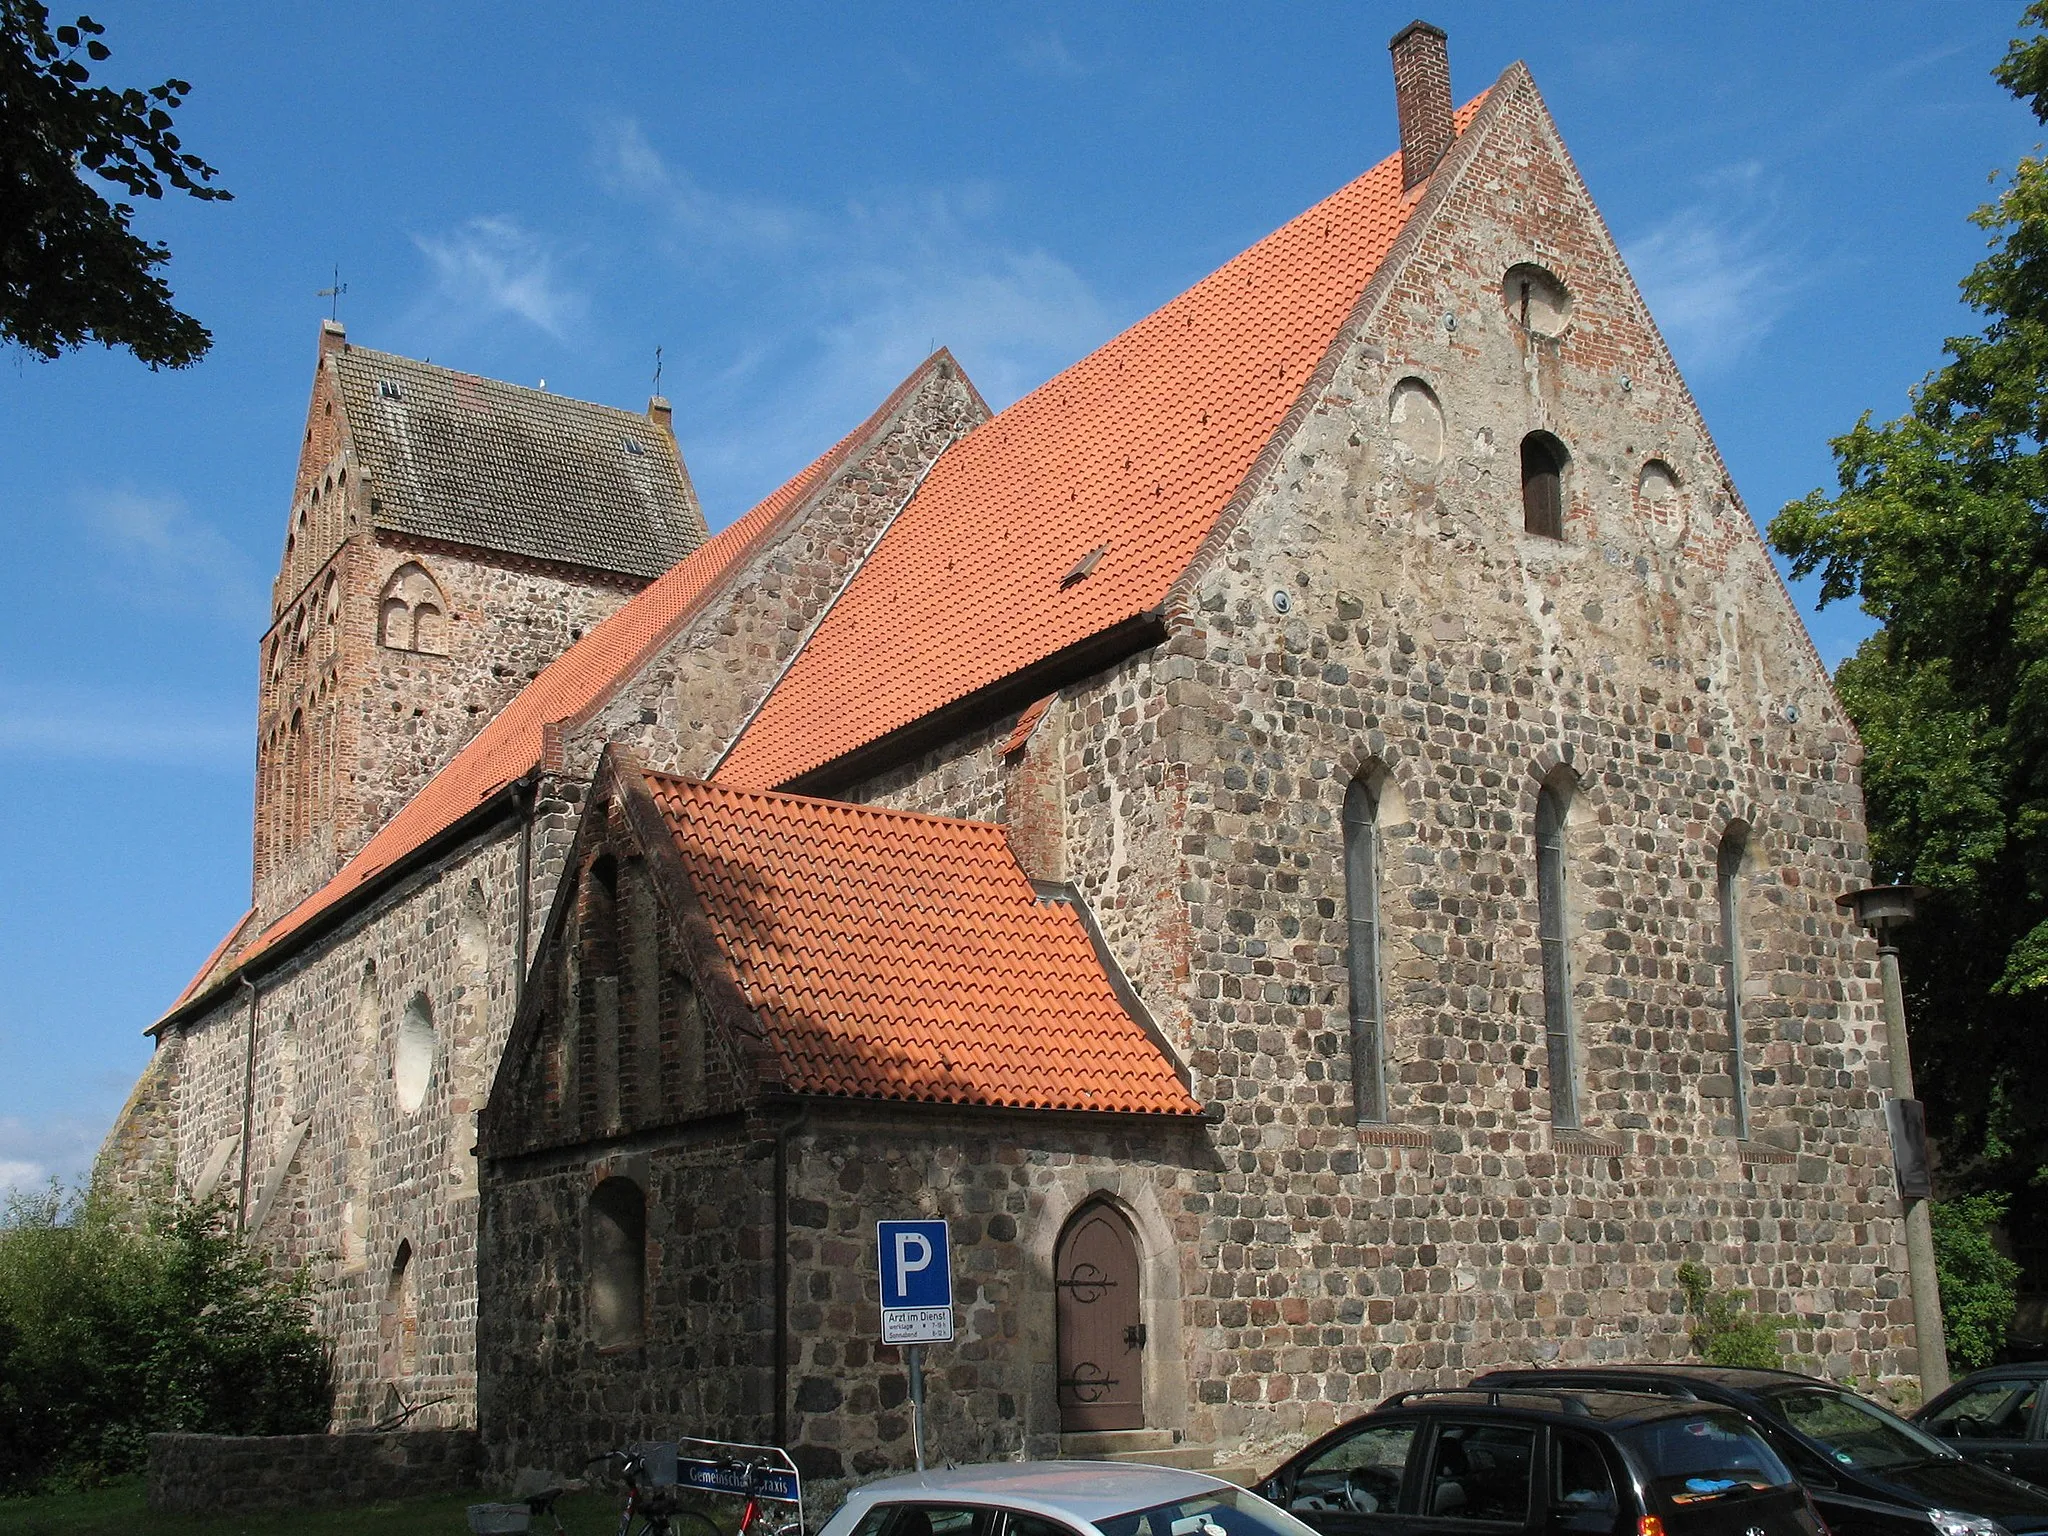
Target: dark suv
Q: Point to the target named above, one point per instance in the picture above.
(1871, 1473)
(1996, 1417)
(1562, 1463)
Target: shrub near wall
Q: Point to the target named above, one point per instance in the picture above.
(118, 1318)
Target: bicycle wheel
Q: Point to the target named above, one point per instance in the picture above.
(682, 1522)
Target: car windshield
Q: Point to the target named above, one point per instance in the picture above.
(1852, 1431)
(1218, 1512)
(1695, 1458)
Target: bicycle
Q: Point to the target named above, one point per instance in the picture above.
(660, 1509)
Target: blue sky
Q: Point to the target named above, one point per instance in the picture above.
(795, 202)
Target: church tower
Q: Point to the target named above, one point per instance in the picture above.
(449, 536)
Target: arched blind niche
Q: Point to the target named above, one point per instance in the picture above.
(1728, 885)
(617, 1236)
(1362, 915)
(1553, 933)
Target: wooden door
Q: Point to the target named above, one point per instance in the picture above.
(1101, 1340)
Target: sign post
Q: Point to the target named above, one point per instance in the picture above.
(917, 1301)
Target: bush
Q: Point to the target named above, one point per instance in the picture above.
(116, 1320)
(1721, 1333)
(1978, 1282)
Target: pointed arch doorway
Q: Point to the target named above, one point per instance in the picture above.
(1101, 1335)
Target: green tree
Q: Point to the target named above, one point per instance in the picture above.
(117, 1320)
(71, 269)
(1977, 1300)
(1937, 526)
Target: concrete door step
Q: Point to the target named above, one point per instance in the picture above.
(1093, 1445)
(1158, 1448)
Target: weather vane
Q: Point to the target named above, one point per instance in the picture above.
(657, 370)
(334, 293)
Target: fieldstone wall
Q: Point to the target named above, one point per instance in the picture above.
(216, 1474)
(371, 1055)
(1379, 610)
(552, 1394)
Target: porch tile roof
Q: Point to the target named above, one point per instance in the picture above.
(897, 956)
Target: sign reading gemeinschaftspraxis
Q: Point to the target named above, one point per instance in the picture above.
(917, 1282)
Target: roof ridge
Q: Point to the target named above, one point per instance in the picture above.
(353, 350)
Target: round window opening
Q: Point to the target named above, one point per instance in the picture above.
(412, 1057)
(1536, 300)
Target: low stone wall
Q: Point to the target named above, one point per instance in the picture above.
(204, 1474)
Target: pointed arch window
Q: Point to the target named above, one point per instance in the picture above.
(1728, 886)
(1553, 934)
(1362, 916)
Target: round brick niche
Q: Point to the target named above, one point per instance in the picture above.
(1417, 421)
(1536, 299)
(1657, 493)
(412, 1054)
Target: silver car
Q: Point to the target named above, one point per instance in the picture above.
(1059, 1498)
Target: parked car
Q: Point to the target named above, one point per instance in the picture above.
(1998, 1417)
(1871, 1472)
(1565, 1463)
(1058, 1498)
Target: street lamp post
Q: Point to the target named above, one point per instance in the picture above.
(1882, 908)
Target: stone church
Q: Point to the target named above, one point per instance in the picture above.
(1311, 839)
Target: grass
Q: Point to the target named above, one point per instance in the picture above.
(119, 1510)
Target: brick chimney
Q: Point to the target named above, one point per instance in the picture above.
(332, 337)
(659, 413)
(1422, 91)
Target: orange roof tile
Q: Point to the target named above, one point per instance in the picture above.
(577, 681)
(897, 956)
(1136, 449)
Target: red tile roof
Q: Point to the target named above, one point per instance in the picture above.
(581, 679)
(1136, 449)
(896, 956)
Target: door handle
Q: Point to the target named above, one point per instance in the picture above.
(1134, 1336)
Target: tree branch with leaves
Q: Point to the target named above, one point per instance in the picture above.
(71, 268)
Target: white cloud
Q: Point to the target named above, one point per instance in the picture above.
(165, 558)
(1047, 53)
(711, 225)
(47, 723)
(1716, 274)
(864, 291)
(486, 267)
(32, 1152)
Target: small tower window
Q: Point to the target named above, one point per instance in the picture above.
(1543, 461)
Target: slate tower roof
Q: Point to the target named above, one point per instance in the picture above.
(475, 461)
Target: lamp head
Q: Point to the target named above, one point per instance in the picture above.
(1881, 908)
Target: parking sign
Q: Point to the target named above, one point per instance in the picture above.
(917, 1282)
